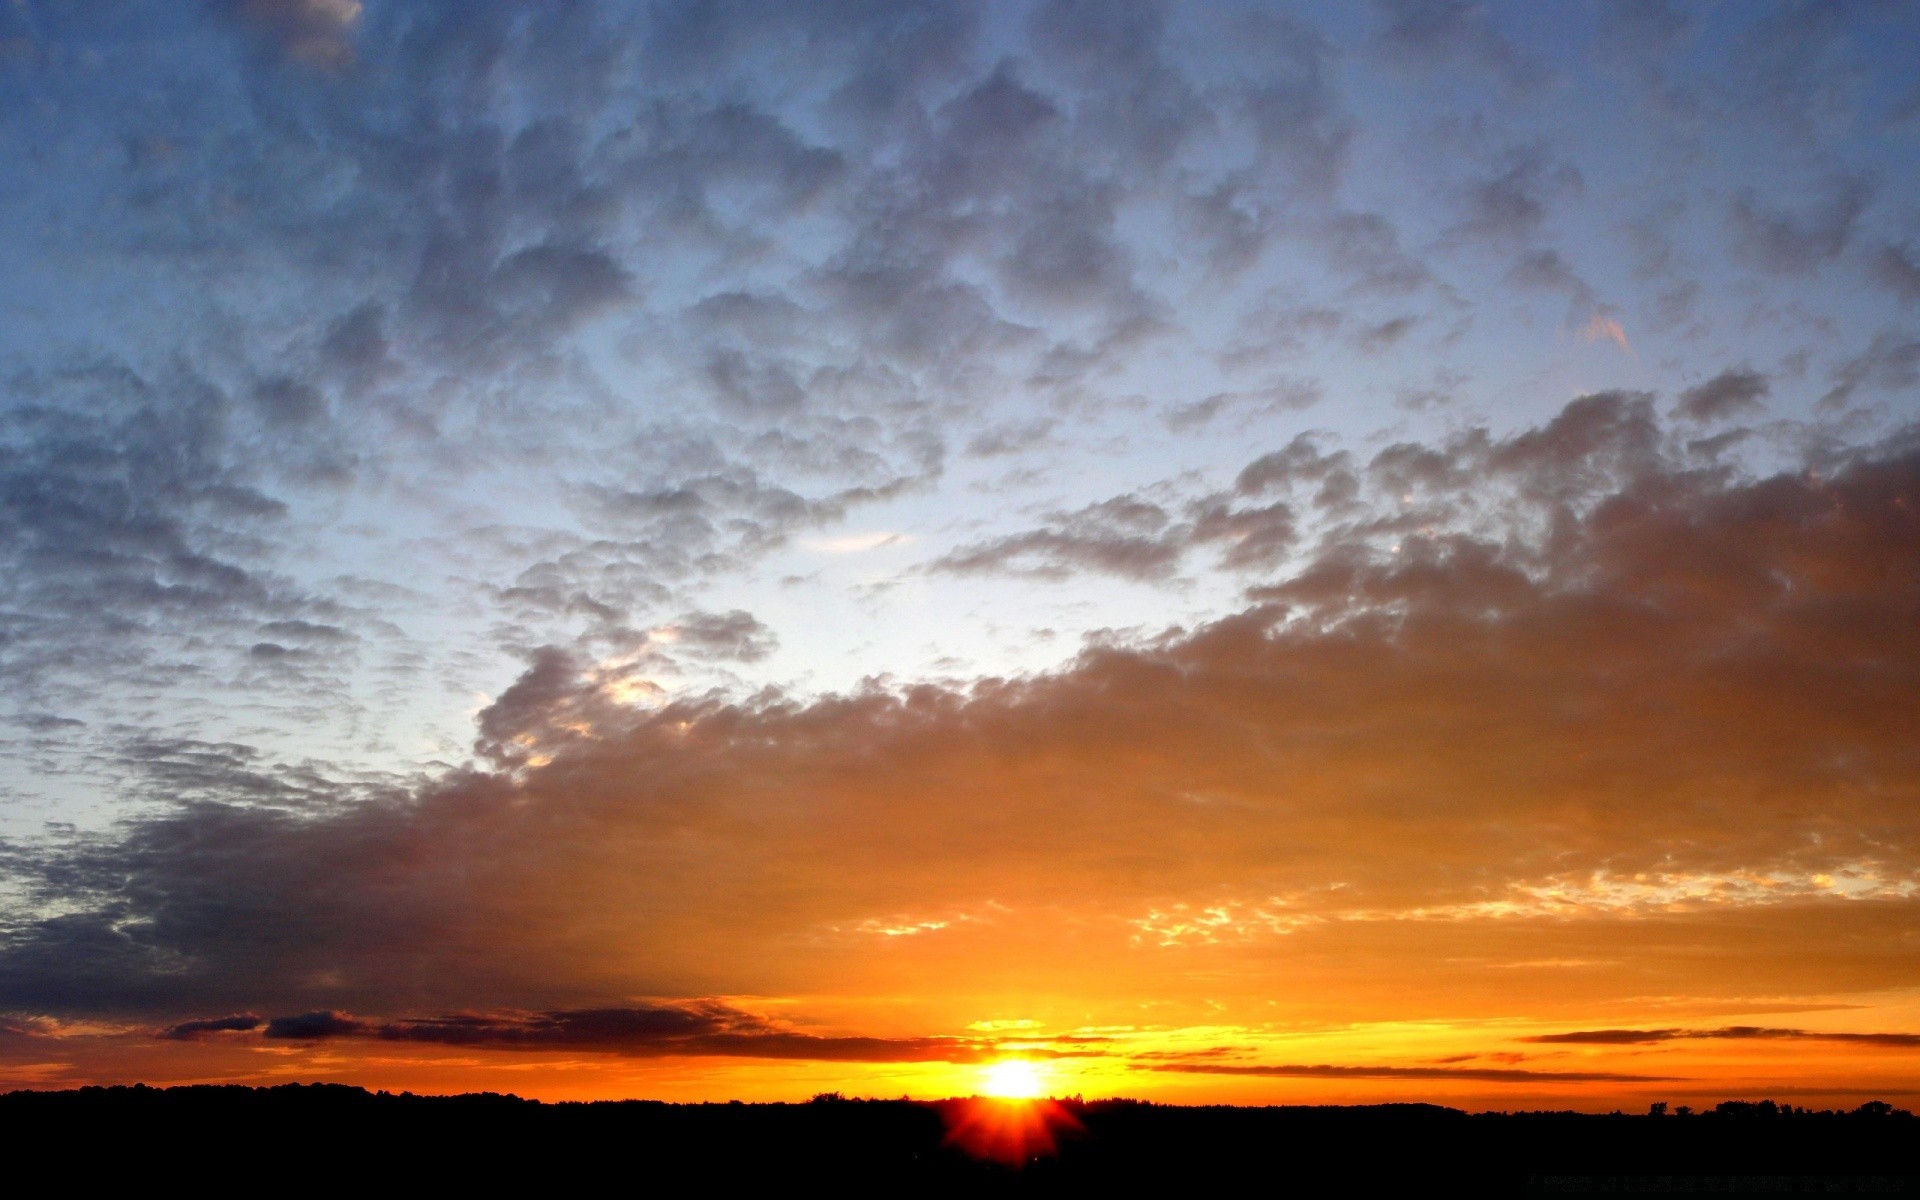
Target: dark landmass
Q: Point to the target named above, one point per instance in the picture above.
(238, 1138)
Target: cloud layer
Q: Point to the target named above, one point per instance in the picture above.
(737, 530)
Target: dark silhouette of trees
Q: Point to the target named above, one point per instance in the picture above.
(326, 1134)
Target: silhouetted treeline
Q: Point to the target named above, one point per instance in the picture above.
(236, 1138)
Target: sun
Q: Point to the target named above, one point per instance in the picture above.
(1013, 1079)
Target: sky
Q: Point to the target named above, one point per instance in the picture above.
(1248, 552)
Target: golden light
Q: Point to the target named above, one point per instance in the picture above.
(1013, 1079)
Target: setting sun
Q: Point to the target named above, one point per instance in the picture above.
(1013, 1079)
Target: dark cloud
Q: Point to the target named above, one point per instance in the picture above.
(1732, 392)
(127, 528)
(1385, 334)
(1137, 104)
(1514, 198)
(1897, 268)
(1796, 242)
(1257, 538)
(315, 1026)
(289, 402)
(696, 1028)
(1482, 1074)
(1301, 462)
(187, 1031)
(1426, 35)
(706, 1028)
(1640, 1037)
(1366, 247)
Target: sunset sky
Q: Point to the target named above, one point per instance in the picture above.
(1240, 552)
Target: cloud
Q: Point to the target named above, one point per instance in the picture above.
(1604, 328)
(691, 1028)
(1283, 395)
(476, 356)
(1514, 198)
(1796, 243)
(317, 33)
(1891, 362)
(1640, 1037)
(187, 1031)
(1498, 702)
(1480, 1074)
(705, 1029)
(1125, 536)
(1425, 35)
(737, 636)
(1897, 268)
(315, 1026)
(1732, 392)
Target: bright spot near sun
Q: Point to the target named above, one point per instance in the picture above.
(1013, 1079)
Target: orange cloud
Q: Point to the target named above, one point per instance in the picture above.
(1601, 327)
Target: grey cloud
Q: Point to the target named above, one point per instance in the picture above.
(743, 386)
(1897, 268)
(356, 342)
(1889, 363)
(307, 631)
(1279, 329)
(1011, 438)
(1291, 105)
(1792, 242)
(1644, 27)
(1798, 64)
(1428, 34)
(736, 636)
(534, 711)
(1281, 395)
(479, 237)
(1257, 538)
(1139, 105)
(1549, 270)
(1732, 392)
(187, 1031)
(124, 518)
(1517, 194)
(289, 402)
(48, 722)
(1124, 536)
(1367, 247)
(1300, 461)
(1385, 334)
